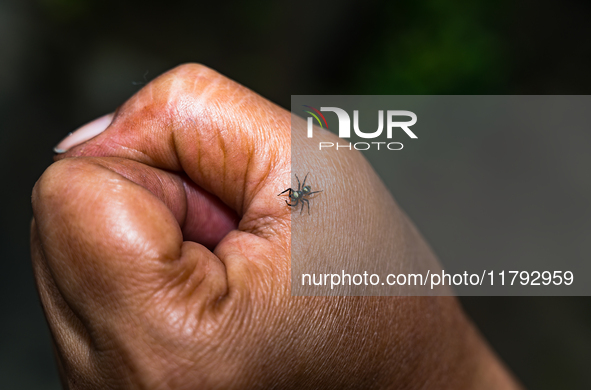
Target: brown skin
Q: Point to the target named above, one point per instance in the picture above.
(135, 301)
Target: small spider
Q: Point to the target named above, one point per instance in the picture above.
(300, 195)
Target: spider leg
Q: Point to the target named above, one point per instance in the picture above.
(289, 204)
(298, 182)
(315, 192)
(303, 185)
(307, 204)
(289, 189)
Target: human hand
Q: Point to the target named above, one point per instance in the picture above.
(162, 256)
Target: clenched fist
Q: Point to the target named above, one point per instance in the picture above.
(162, 256)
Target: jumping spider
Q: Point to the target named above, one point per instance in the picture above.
(300, 195)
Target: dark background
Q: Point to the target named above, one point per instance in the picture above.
(65, 62)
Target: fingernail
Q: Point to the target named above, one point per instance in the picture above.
(84, 133)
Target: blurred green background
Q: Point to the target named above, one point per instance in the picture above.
(65, 62)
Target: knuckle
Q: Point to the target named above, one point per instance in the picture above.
(56, 184)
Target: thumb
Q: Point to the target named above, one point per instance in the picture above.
(229, 140)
